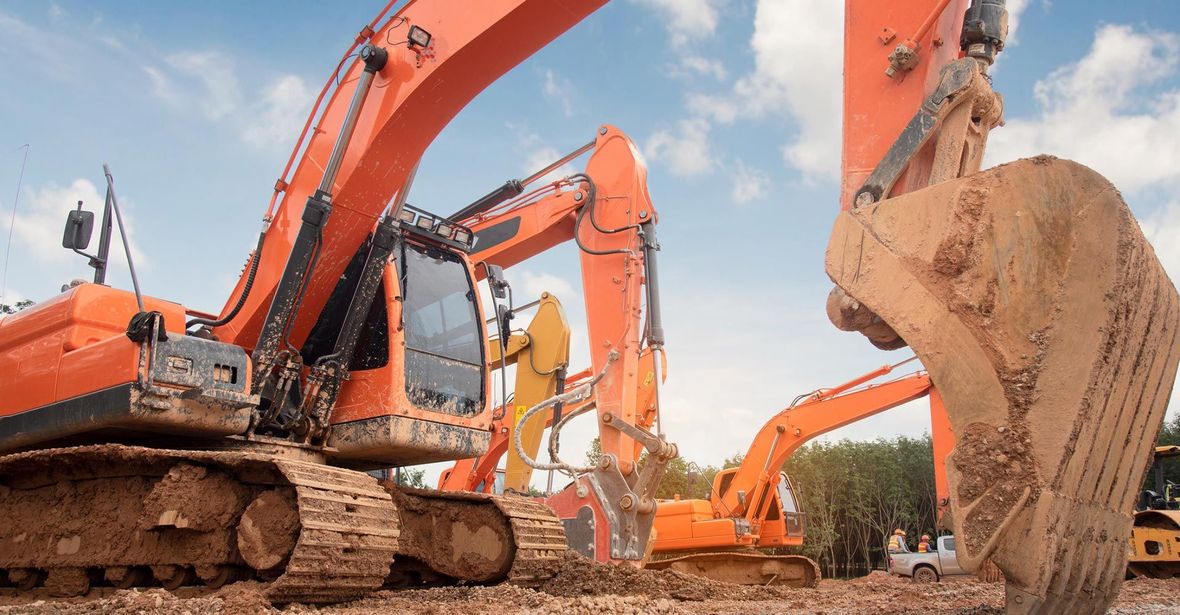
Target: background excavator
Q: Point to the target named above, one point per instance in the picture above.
(753, 506)
(211, 448)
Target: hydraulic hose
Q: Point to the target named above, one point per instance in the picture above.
(241, 299)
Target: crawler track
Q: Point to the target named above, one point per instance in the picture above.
(130, 516)
(488, 539)
(745, 568)
(123, 516)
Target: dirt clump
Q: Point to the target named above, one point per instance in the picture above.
(580, 576)
(871, 595)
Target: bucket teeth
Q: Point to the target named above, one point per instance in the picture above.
(1050, 329)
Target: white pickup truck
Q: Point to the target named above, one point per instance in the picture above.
(927, 567)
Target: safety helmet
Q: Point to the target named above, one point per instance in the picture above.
(925, 537)
(899, 532)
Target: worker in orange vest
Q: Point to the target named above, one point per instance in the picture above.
(924, 544)
(897, 542)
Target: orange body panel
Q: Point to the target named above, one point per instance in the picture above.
(683, 525)
(72, 344)
(412, 99)
(878, 107)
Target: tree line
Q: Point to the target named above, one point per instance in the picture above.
(855, 493)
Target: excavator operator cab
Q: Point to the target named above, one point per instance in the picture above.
(1165, 494)
(792, 517)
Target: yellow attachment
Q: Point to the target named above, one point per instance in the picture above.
(540, 354)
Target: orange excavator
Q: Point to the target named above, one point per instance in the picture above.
(207, 448)
(753, 506)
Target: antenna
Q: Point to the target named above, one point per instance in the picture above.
(12, 223)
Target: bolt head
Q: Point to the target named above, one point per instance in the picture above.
(578, 197)
(864, 199)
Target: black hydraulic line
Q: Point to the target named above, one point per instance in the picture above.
(592, 202)
(655, 322)
(511, 189)
(218, 322)
(591, 196)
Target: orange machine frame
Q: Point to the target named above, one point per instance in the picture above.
(878, 106)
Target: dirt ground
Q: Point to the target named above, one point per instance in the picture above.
(583, 588)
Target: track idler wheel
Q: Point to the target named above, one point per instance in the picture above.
(26, 579)
(126, 577)
(268, 530)
(1050, 329)
(172, 576)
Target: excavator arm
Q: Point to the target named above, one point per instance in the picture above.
(607, 212)
(1028, 291)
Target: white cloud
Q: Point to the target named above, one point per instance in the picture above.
(710, 67)
(1016, 8)
(1162, 229)
(537, 155)
(749, 183)
(560, 90)
(686, 20)
(808, 92)
(685, 152)
(215, 73)
(279, 113)
(37, 230)
(720, 109)
(1103, 111)
(689, 22)
(534, 283)
(206, 82)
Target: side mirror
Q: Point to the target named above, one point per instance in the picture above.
(497, 282)
(79, 228)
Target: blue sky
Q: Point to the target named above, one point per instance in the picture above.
(735, 104)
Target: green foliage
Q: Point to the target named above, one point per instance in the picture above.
(855, 493)
(594, 452)
(687, 480)
(410, 477)
(1169, 435)
(14, 308)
